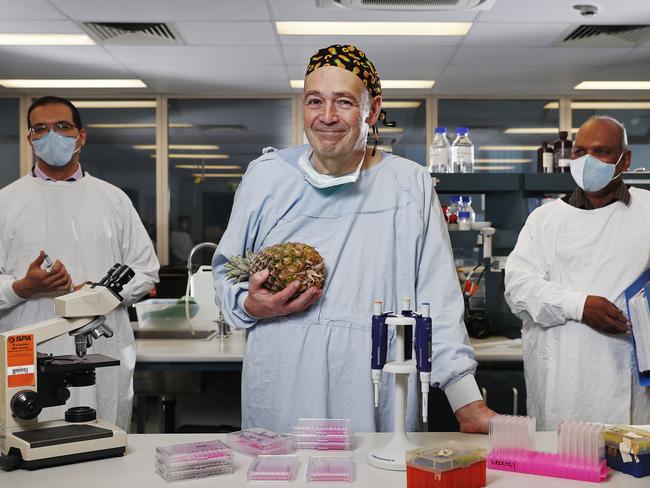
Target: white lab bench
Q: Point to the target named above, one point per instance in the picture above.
(231, 350)
(136, 468)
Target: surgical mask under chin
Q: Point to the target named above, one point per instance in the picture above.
(320, 180)
(55, 149)
(591, 174)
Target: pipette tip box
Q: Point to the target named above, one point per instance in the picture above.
(273, 468)
(330, 469)
(257, 441)
(193, 460)
(448, 465)
(628, 450)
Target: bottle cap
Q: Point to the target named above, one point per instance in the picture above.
(462, 131)
(454, 198)
(441, 130)
(466, 198)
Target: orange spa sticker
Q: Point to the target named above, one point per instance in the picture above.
(20, 360)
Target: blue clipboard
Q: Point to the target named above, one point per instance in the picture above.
(642, 282)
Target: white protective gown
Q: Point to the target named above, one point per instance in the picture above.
(563, 254)
(383, 237)
(88, 225)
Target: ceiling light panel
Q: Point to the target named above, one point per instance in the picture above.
(373, 28)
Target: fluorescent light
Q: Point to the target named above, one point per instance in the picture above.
(135, 126)
(494, 168)
(197, 156)
(507, 148)
(218, 175)
(94, 83)
(373, 28)
(114, 103)
(45, 40)
(388, 84)
(408, 84)
(400, 104)
(503, 160)
(181, 147)
(207, 166)
(534, 130)
(386, 149)
(613, 85)
(602, 105)
(390, 130)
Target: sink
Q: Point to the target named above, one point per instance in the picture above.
(174, 334)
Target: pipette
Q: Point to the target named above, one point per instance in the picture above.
(423, 328)
(379, 345)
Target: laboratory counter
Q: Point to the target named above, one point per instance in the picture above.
(136, 468)
(231, 349)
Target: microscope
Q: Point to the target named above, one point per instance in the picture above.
(31, 381)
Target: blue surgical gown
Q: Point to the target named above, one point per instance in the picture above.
(382, 237)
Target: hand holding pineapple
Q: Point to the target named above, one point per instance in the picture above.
(262, 304)
(283, 279)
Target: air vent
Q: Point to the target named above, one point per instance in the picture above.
(408, 4)
(604, 36)
(133, 33)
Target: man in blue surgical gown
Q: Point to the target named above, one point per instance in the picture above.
(377, 222)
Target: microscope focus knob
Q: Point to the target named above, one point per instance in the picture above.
(25, 405)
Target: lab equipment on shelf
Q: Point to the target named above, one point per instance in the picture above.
(466, 206)
(628, 450)
(446, 465)
(193, 460)
(580, 449)
(464, 220)
(258, 441)
(462, 152)
(440, 152)
(273, 468)
(391, 456)
(324, 434)
(325, 468)
(562, 153)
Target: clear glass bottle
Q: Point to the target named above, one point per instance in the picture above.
(462, 151)
(466, 206)
(440, 152)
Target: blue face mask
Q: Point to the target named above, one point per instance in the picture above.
(55, 149)
(591, 174)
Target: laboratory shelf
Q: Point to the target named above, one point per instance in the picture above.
(502, 239)
(553, 183)
(476, 182)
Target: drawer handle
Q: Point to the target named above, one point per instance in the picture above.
(515, 400)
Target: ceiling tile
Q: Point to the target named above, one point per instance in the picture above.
(537, 56)
(164, 11)
(74, 55)
(38, 27)
(637, 56)
(213, 72)
(516, 74)
(610, 12)
(386, 71)
(227, 33)
(29, 10)
(63, 70)
(514, 34)
(182, 55)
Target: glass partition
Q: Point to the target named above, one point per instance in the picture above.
(9, 140)
(505, 133)
(211, 143)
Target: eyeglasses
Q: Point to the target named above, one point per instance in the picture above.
(39, 130)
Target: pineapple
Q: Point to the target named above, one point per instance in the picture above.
(286, 262)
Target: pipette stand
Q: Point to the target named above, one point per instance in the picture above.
(392, 456)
